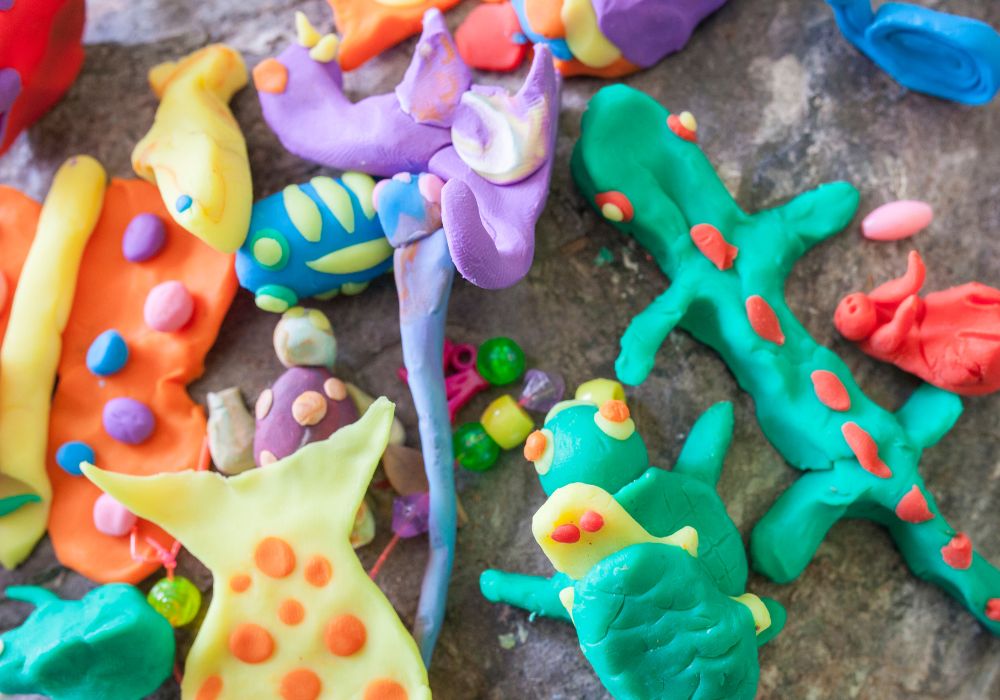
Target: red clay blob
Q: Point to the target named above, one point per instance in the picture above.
(487, 38)
(710, 241)
(830, 390)
(763, 320)
(865, 450)
(950, 339)
(913, 507)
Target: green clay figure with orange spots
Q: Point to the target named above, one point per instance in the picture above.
(645, 172)
(294, 616)
(651, 568)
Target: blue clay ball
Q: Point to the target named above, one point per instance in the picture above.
(143, 238)
(107, 354)
(71, 455)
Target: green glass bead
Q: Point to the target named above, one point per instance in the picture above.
(500, 361)
(474, 448)
(176, 599)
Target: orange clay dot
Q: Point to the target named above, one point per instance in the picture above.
(210, 689)
(535, 446)
(300, 684)
(318, 571)
(239, 583)
(291, 611)
(345, 635)
(270, 76)
(251, 643)
(615, 411)
(274, 557)
(385, 689)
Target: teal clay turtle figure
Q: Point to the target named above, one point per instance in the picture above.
(109, 645)
(651, 570)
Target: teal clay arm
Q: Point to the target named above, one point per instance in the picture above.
(536, 594)
(861, 460)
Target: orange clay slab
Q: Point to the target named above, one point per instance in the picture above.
(369, 27)
(111, 294)
(18, 221)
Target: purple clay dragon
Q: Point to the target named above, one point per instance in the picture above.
(470, 168)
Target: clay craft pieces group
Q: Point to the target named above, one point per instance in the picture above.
(650, 567)
(469, 168)
(603, 38)
(40, 56)
(727, 270)
(293, 614)
(945, 55)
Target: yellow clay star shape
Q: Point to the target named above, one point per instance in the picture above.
(293, 616)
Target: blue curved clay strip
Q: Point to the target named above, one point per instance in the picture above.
(945, 55)
(559, 47)
(424, 273)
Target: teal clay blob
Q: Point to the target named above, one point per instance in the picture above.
(500, 361)
(652, 591)
(109, 644)
(474, 448)
(727, 270)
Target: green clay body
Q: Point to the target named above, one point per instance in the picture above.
(704, 639)
(627, 148)
(110, 644)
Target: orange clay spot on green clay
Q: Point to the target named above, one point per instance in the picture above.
(239, 583)
(615, 411)
(210, 689)
(300, 684)
(345, 635)
(318, 571)
(274, 557)
(291, 611)
(385, 689)
(251, 643)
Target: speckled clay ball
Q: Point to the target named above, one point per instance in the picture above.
(304, 405)
(128, 420)
(304, 338)
(169, 306)
(143, 238)
(112, 518)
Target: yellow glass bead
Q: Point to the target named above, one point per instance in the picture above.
(597, 391)
(507, 423)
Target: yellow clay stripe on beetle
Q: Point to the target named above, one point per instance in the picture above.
(33, 343)
(353, 258)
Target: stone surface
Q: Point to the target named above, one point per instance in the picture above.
(782, 102)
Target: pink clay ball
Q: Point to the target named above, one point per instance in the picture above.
(169, 307)
(112, 518)
(897, 220)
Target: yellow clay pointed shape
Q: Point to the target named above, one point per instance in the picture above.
(292, 608)
(195, 153)
(33, 343)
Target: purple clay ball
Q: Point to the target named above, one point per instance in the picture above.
(128, 420)
(143, 238)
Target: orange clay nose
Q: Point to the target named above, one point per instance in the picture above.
(855, 316)
(615, 411)
(535, 446)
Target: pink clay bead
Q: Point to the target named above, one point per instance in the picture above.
(168, 307)
(112, 518)
(897, 220)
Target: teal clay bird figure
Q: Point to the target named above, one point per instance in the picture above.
(109, 645)
(651, 570)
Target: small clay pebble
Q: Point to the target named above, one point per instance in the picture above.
(404, 468)
(169, 307)
(230, 431)
(143, 238)
(128, 420)
(112, 518)
(304, 338)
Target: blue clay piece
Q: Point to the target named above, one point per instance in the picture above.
(559, 47)
(404, 210)
(184, 203)
(71, 455)
(948, 56)
(313, 240)
(143, 238)
(107, 354)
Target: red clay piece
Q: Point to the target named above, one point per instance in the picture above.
(487, 39)
(950, 339)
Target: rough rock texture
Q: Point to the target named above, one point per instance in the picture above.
(783, 103)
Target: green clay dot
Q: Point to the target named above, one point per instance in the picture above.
(474, 448)
(176, 599)
(267, 251)
(500, 361)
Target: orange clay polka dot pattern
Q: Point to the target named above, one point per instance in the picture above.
(300, 684)
(291, 611)
(318, 571)
(385, 689)
(251, 643)
(210, 689)
(274, 557)
(239, 583)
